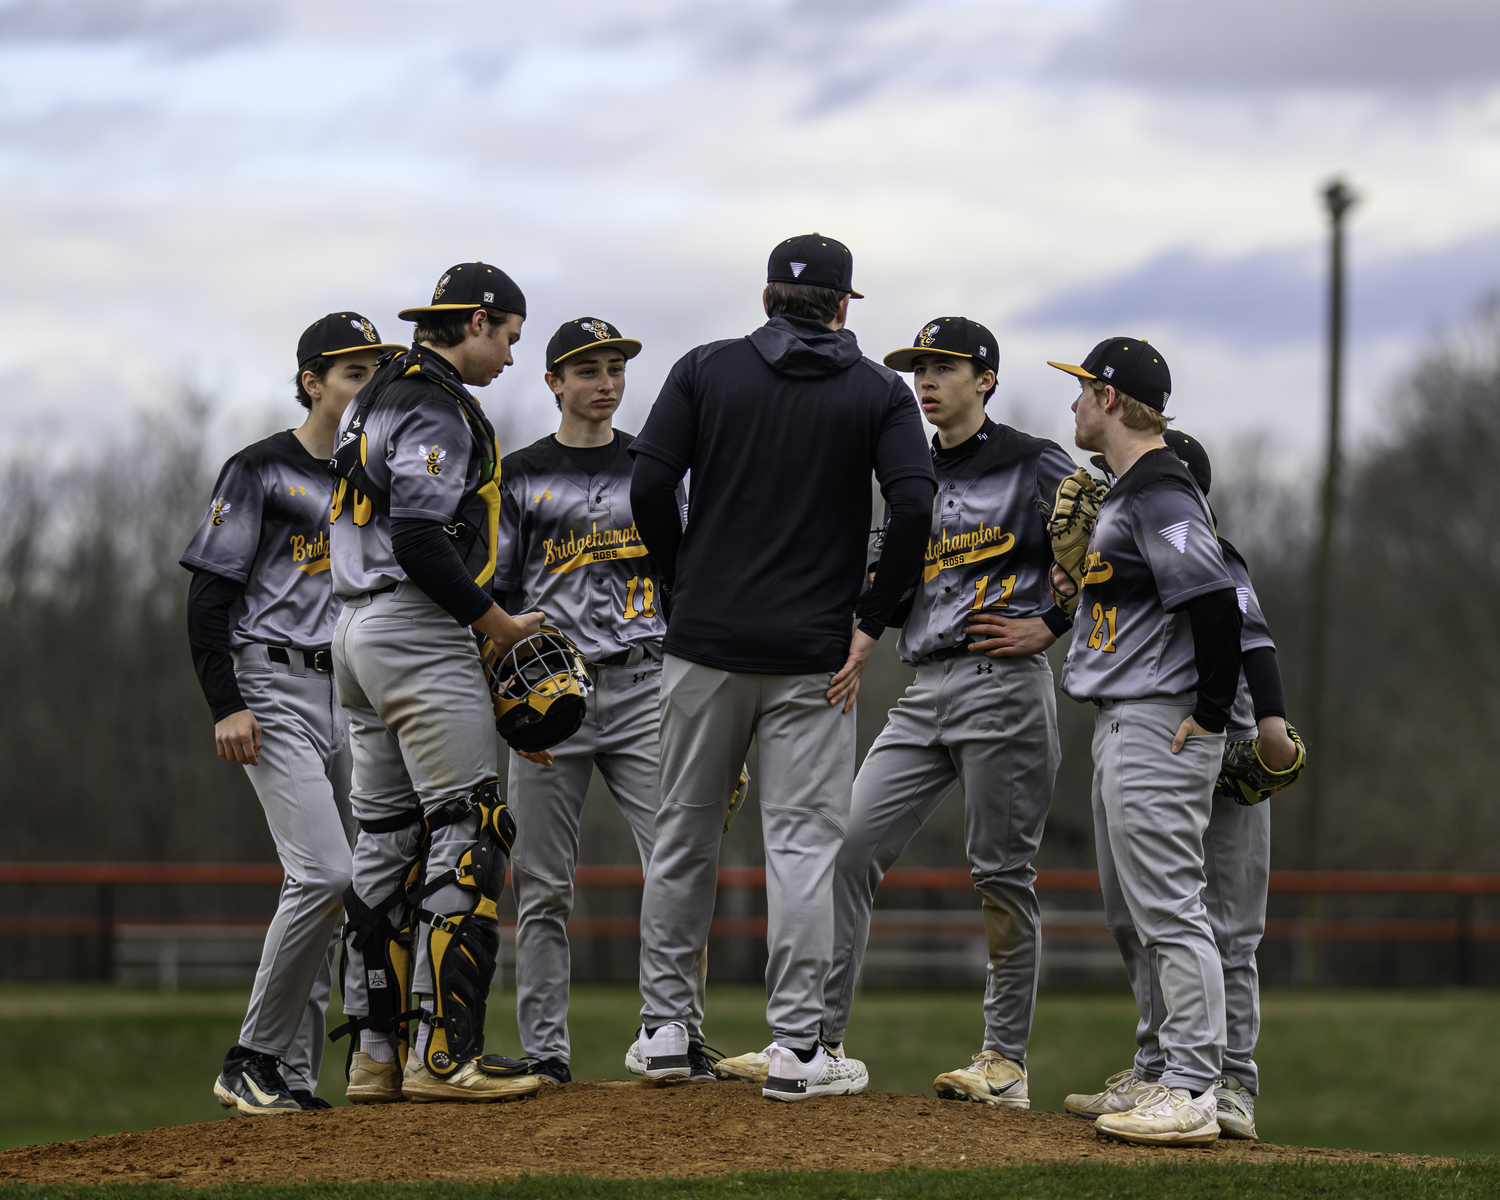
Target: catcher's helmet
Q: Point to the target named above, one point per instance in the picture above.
(538, 687)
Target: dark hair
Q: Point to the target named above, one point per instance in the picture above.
(450, 327)
(979, 367)
(803, 300)
(320, 367)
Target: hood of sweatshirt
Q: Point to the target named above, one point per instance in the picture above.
(804, 348)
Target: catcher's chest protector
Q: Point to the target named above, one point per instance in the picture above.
(463, 947)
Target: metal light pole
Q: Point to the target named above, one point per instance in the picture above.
(1337, 199)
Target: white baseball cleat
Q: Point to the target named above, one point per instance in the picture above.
(755, 1066)
(372, 1082)
(1236, 1108)
(789, 1078)
(470, 1083)
(1165, 1117)
(1122, 1092)
(990, 1079)
(662, 1055)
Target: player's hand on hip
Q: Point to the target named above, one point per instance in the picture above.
(542, 758)
(238, 739)
(1276, 748)
(1008, 637)
(845, 685)
(1189, 728)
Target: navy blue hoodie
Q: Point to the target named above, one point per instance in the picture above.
(781, 431)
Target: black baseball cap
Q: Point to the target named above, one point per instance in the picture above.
(814, 259)
(472, 285)
(1194, 457)
(957, 337)
(339, 333)
(1129, 365)
(583, 334)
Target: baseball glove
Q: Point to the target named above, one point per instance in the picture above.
(1070, 526)
(1246, 780)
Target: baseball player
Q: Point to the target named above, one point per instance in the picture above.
(781, 430)
(568, 545)
(1237, 864)
(1157, 650)
(413, 548)
(260, 619)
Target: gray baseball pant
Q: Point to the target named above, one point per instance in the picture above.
(806, 755)
(302, 780)
(1237, 868)
(422, 731)
(991, 724)
(1151, 813)
(619, 736)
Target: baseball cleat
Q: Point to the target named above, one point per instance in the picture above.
(701, 1060)
(471, 1082)
(309, 1102)
(789, 1078)
(1236, 1108)
(372, 1082)
(990, 1079)
(1122, 1092)
(755, 1066)
(661, 1055)
(251, 1083)
(551, 1071)
(1164, 1117)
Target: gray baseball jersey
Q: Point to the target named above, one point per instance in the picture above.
(267, 527)
(989, 548)
(568, 545)
(1153, 550)
(421, 451)
(1254, 635)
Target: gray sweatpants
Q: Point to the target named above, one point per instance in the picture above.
(1237, 868)
(302, 781)
(806, 755)
(422, 731)
(1151, 813)
(990, 724)
(619, 736)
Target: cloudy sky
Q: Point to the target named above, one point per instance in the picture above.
(186, 185)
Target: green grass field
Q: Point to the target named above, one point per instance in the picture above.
(1394, 1071)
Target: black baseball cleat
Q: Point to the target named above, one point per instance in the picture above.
(701, 1060)
(309, 1102)
(252, 1084)
(551, 1070)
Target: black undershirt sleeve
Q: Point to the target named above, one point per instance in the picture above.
(427, 555)
(1215, 620)
(908, 524)
(1057, 621)
(653, 504)
(211, 598)
(1263, 675)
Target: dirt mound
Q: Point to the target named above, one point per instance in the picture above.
(607, 1129)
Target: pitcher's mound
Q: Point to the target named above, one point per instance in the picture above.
(608, 1129)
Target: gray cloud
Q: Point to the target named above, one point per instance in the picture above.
(1275, 297)
(179, 27)
(1374, 45)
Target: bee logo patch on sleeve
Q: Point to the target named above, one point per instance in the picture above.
(433, 456)
(216, 516)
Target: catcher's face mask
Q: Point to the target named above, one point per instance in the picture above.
(538, 688)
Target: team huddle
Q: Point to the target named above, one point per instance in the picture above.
(378, 592)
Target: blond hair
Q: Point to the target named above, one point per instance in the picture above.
(1133, 414)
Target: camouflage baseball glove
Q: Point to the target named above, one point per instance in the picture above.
(1246, 780)
(1070, 527)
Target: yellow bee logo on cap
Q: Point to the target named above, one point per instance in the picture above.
(598, 328)
(216, 516)
(433, 456)
(442, 283)
(926, 336)
(364, 326)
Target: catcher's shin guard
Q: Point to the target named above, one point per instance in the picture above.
(462, 946)
(385, 947)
